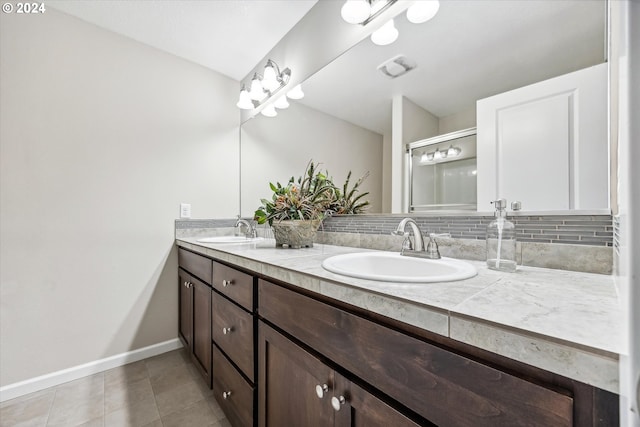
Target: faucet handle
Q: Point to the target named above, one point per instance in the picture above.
(433, 251)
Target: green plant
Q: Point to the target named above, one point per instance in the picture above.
(346, 201)
(308, 198)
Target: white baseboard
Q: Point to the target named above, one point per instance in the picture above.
(21, 388)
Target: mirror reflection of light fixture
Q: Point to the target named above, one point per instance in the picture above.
(438, 154)
(454, 151)
(422, 11)
(386, 34)
(281, 102)
(296, 93)
(263, 87)
(269, 111)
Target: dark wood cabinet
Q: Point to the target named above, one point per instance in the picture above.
(298, 389)
(445, 388)
(276, 355)
(234, 338)
(195, 310)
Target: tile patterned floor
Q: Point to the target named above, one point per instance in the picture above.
(162, 391)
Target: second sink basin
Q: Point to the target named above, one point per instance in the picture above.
(393, 267)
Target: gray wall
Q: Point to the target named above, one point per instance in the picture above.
(101, 139)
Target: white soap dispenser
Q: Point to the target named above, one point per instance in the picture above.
(501, 240)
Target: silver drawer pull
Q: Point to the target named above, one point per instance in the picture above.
(226, 283)
(321, 389)
(227, 330)
(337, 402)
(226, 394)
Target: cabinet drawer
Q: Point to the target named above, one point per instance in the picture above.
(233, 332)
(195, 264)
(235, 284)
(444, 387)
(238, 403)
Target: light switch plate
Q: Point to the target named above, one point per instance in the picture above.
(185, 210)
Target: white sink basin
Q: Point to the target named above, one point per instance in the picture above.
(229, 239)
(393, 267)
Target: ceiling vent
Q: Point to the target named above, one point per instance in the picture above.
(397, 66)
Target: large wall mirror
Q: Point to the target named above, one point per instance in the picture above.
(355, 117)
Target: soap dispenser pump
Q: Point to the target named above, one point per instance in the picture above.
(501, 240)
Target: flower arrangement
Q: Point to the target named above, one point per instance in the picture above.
(313, 196)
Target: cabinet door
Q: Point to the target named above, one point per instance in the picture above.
(185, 326)
(202, 328)
(356, 407)
(288, 379)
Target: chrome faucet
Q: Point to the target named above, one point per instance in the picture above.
(418, 248)
(418, 241)
(251, 232)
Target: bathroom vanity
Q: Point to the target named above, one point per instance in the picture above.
(293, 344)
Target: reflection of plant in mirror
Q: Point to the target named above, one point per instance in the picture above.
(348, 201)
(309, 198)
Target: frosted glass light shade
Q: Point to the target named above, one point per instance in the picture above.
(355, 11)
(296, 93)
(281, 103)
(244, 101)
(270, 78)
(422, 11)
(269, 111)
(256, 92)
(385, 35)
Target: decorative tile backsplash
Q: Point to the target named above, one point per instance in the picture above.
(594, 230)
(569, 242)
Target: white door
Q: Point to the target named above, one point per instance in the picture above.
(546, 144)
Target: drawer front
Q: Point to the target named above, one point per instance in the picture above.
(238, 404)
(233, 332)
(235, 284)
(446, 388)
(195, 264)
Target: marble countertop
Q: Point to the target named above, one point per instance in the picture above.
(565, 322)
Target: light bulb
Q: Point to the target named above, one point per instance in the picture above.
(244, 101)
(281, 102)
(270, 78)
(269, 111)
(256, 92)
(424, 158)
(453, 151)
(423, 10)
(355, 11)
(437, 155)
(296, 93)
(385, 35)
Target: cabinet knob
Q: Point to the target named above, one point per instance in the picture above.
(227, 330)
(226, 283)
(321, 389)
(187, 284)
(226, 394)
(337, 402)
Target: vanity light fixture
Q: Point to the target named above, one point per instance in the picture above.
(281, 103)
(364, 11)
(263, 87)
(296, 92)
(386, 34)
(422, 11)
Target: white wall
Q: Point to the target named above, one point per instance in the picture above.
(462, 120)
(625, 133)
(101, 139)
(274, 149)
